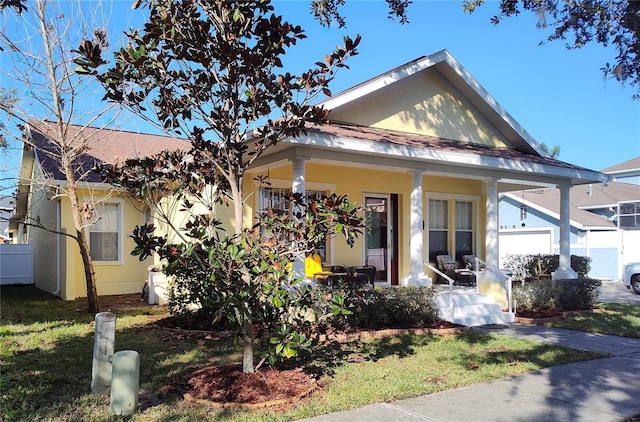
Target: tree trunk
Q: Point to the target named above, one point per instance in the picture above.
(238, 205)
(247, 325)
(89, 273)
(81, 239)
(247, 341)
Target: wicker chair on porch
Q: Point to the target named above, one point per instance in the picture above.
(469, 261)
(447, 265)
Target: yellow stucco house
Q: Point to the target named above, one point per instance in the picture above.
(57, 265)
(423, 147)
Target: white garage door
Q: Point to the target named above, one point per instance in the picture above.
(519, 242)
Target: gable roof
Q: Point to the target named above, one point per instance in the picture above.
(356, 139)
(632, 164)
(582, 199)
(102, 146)
(624, 170)
(460, 81)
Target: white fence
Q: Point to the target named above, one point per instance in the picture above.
(630, 246)
(16, 264)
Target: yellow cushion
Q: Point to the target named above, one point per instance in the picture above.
(312, 265)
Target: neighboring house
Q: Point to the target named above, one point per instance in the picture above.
(7, 207)
(423, 147)
(57, 263)
(605, 222)
(627, 172)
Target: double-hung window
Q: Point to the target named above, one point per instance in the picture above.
(278, 199)
(464, 228)
(629, 215)
(105, 234)
(438, 227)
(452, 224)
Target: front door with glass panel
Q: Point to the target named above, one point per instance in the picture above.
(378, 239)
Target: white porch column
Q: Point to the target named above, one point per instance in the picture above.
(298, 186)
(416, 276)
(564, 270)
(492, 253)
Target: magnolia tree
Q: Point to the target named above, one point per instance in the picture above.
(209, 71)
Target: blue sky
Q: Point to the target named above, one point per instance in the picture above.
(559, 96)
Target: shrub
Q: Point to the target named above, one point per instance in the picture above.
(561, 295)
(533, 266)
(402, 307)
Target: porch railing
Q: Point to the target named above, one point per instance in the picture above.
(508, 283)
(451, 281)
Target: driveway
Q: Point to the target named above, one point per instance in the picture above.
(616, 292)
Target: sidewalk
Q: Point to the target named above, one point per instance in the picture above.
(600, 390)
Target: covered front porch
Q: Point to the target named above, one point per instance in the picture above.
(414, 208)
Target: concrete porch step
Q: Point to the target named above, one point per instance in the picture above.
(471, 308)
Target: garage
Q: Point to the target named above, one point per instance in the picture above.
(525, 242)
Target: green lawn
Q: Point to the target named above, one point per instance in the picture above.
(46, 351)
(613, 318)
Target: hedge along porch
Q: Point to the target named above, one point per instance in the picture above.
(427, 151)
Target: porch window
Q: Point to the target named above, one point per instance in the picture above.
(438, 227)
(278, 199)
(104, 235)
(464, 228)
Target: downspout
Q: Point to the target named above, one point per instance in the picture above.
(58, 246)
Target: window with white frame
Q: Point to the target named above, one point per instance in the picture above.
(464, 228)
(278, 199)
(104, 235)
(629, 215)
(453, 220)
(438, 227)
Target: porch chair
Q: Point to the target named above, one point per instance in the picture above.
(363, 276)
(469, 261)
(447, 265)
(314, 270)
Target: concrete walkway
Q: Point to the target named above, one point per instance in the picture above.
(599, 390)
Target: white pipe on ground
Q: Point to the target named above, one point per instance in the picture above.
(103, 344)
(125, 382)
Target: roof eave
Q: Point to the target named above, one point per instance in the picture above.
(572, 175)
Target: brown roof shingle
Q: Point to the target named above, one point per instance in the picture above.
(431, 142)
(631, 164)
(583, 197)
(102, 146)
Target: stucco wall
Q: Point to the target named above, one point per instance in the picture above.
(419, 104)
(44, 243)
(359, 182)
(126, 276)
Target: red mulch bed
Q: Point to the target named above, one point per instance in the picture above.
(227, 385)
